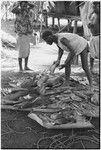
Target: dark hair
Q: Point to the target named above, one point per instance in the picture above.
(35, 34)
(29, 4)
(26, 2)
(47, 33)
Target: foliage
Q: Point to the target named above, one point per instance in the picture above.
(39, 7)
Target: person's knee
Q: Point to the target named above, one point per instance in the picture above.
(20, 59)
(85, 68)
(26, 58)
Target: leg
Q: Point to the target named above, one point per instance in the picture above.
(26, 63)
(67, 73)
(91, 64)
(84, 60)
(20, 64)
(68, 67)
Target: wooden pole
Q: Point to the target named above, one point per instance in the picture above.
(76, 58)
(58, 23)
(69, 25)
(75, 27)
(6, 12)
(41, 7)
(52, 21)
(46, 21)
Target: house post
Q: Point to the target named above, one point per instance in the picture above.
(76, 58)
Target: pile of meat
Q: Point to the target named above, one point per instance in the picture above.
(53, 102)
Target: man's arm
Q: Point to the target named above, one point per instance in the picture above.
(57, 62)
(15, 9)
(65, 42)
(60, 53)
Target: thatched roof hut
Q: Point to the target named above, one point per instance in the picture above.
(65, 9)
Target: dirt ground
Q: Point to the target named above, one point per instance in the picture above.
(20, 132)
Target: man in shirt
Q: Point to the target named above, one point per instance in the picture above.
(75, 45)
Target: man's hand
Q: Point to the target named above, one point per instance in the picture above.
(61, 66)
(57, 62)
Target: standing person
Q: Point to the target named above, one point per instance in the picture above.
(94, 26)
(90, 17)
(24, 30)
(75, 45)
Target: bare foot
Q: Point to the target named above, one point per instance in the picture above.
(20, 70)
(26, 68)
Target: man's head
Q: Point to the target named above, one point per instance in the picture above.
(23, 4)
(48, 37)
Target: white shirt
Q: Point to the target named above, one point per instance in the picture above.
(77, 42)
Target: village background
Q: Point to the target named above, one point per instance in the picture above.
(17, 130)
